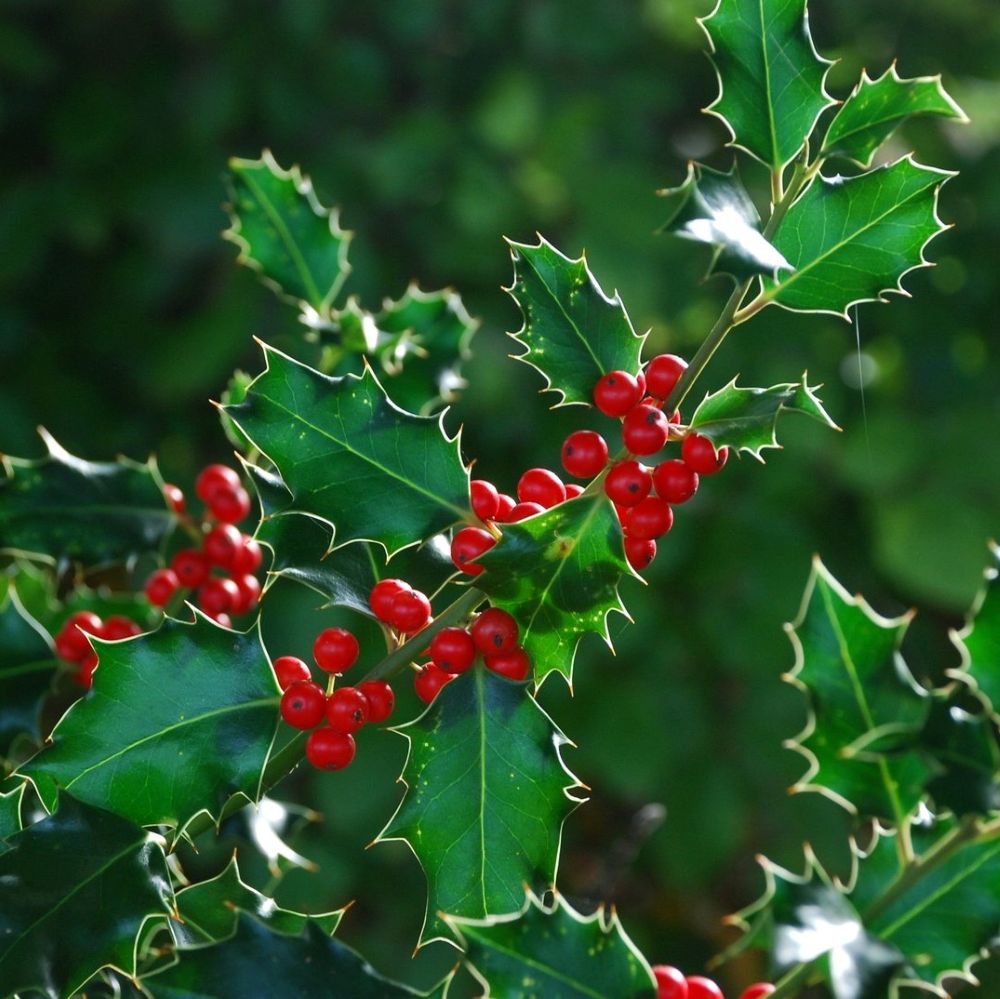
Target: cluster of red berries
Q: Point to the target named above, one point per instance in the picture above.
(73, 646)
(305, 705)
(671, 983)
(224, 547)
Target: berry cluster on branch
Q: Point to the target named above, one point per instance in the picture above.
(73, 647)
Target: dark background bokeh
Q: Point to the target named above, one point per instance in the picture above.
(438, 127)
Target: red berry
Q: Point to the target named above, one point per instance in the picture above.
(382, 595)
(650, 518)
(85, 673)
(662, 374)
(303, 704)
(249, 587)
(700, 456)
(429, 680)
(584, 453)
(161, 586)
(218, 596)
(645, 429)
(453, 650)
(347, 709)
(757, 991)
(410, 612)
(494, 632)
(468, 544)
(640, 553)
(539, 485)
(674, 481)
(628, 483)
(222, 619)
(221, 544)
(87, 621)
(335, 650)
(174, 496)
(573, 490)
(328, 749)
(485, 499)
(703, 988)
(616, 393)
(214, 477)
(118, 627)
(514, 665)
(506, 504)
(640, 379)
(230, 505)
(191, 567)
(670, 982)
(248, 556)
(524, 510)
(289, 670)
(71, 645)
(381, 699)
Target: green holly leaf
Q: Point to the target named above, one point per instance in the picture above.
(554, 952)
(350, 458)
(294, 243)
(853, 239)
(979, 641)
(859, 691)
(876, 108)
(487, 795)
(771, 78)
(209, 911)
(161, 760)
(746, 419)
(268, 826)
(255, 961)
(75, 892)
(572, 333)
(557, 573)
(62, 507)
(233, 394)
(424, 338)
(714, 208)
(27, 665)
(10, 814)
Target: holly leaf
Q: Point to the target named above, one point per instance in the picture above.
(487, 795)
(714, 208)
(771, 78)
(573, 333)
(554, 951)
(858, 688)
(349, 457)
(27, 665)
(876, 108)
(62, 507)
(209, 911)
(853, 239)
(746, 419)
(979, 641)
(557, 574)
(257, 961)
(10, 814)
(161, 755)
(80, 867)
(292, 241)
(269, 825)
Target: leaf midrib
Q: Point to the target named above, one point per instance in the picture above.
(775, 155)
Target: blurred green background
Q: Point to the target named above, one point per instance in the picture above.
(439, 126)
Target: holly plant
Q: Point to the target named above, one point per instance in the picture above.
(140, 709)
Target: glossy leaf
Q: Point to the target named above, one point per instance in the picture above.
(876, 108)
(746, 419)
(62, 507)
(75, 891)
(352, 459)
(859, 689)
(27, 665)
(210, 910)
(255, 961)
(487, 795)
(557, 573)
(294, 243)
(714, 208)
(573, 333)
(771, 79)
(268, 826)
(160, 754)
(979, 641)
(10, 814)
(852, 239)
(554, 952)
